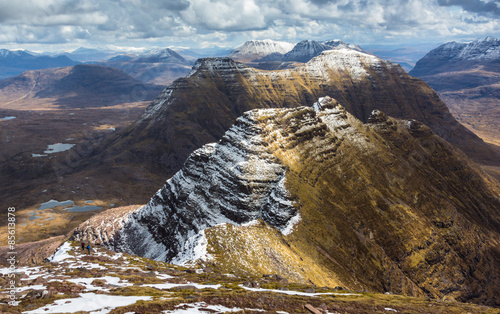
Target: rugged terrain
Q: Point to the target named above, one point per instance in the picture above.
(316, 196)
(467, 78)
(198, 109)
(106, 282)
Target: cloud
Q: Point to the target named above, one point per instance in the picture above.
(476, 6)
(228, 15)
(230, 22)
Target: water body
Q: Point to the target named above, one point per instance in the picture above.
(7, 118)
(57, 148)
(33, 217)
(54, 203)
(38, 155)
(80, 209)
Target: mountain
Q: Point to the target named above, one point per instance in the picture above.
(157, 66)
(193, 54)
(129, 165)
(199, 108)
(89, 54)
(467, 78)
(13, 63)
(316, 196)
(308, 49)
(276, 55)
(261, 50)
(80, 86)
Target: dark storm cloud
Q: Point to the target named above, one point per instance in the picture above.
(476, 6)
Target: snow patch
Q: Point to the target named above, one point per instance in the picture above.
(89, 302)
(291, 224)
(62, 253)
(203, 308)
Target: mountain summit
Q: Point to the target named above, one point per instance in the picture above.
(265, 51)
(315, 195)
(253, 50)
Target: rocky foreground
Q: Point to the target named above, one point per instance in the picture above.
(73, 281)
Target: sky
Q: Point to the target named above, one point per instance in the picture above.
(56, 25)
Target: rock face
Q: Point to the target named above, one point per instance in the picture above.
(198, 109)
(315, 195)
(467, 78)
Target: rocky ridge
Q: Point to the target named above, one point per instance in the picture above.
(198, 109)
(383, 206)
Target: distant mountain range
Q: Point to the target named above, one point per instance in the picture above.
(157, 66)
(79, 86)
(88, 54)
(270, 54)
(255, 50)
(13, 63)
(467, 78)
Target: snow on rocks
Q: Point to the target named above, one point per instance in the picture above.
(202, 308)
(89, 302)
(234, 181)
(61, 253)
(292, 292)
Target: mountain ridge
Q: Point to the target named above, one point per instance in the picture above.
(330, 185)
(227, 89)
(13, 63)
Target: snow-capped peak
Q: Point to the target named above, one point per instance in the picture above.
(257, 49)
(5, 53)
(160, 55)
(486, 49)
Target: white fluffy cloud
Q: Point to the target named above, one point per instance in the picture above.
(229, 22)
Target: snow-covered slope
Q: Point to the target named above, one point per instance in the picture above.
(254, 50)
(452, 56)
(486, 49)
(166, 55)
(308, 49)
